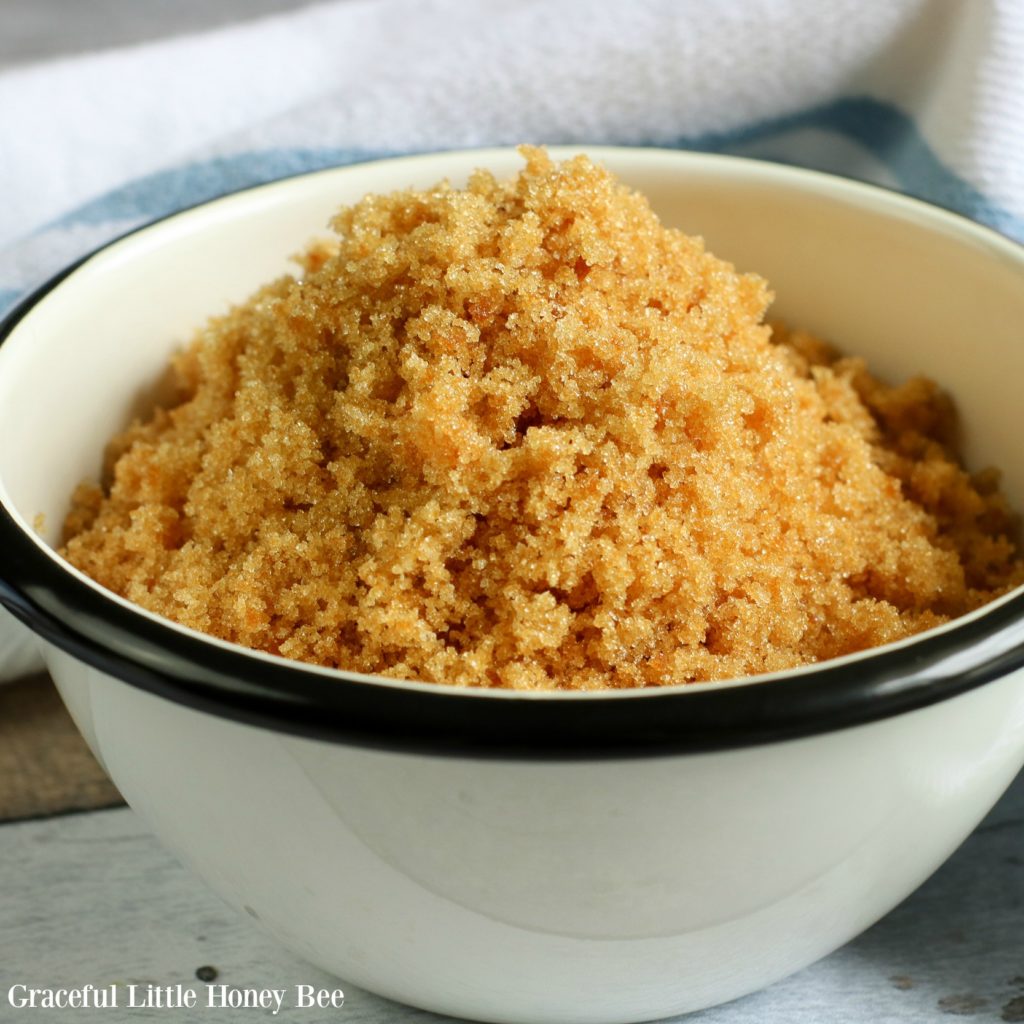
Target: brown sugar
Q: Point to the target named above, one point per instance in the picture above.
(523, 435)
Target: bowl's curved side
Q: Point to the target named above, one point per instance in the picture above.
(596, 891)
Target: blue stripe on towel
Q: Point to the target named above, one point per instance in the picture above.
(8, 297)
(156, 195)
(892, 138)
(889, 135)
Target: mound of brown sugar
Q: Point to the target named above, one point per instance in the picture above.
(523, 435)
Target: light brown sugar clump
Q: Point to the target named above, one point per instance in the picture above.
(523, 435)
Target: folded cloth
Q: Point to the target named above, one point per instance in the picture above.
(920, 95)
(45, 765)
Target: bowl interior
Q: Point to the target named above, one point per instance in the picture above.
(910, 288)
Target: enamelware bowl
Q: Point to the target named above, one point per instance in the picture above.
(555, 857)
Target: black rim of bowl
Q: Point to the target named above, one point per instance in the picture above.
(92, 626)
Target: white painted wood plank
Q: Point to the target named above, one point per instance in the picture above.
(94, 899)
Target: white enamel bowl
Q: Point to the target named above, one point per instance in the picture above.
(554, 858)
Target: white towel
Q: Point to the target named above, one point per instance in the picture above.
(926, 96)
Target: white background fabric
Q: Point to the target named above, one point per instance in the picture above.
(430, 74)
